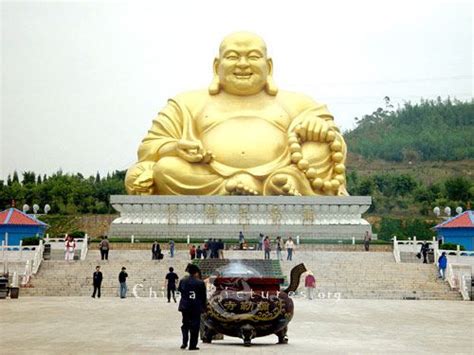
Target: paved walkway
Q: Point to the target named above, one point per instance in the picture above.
(70, 325)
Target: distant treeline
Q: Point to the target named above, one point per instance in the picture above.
(74, 194)
(65, 193)
(404, 195)
(430, 130)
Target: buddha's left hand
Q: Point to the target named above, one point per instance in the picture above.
(314, 129)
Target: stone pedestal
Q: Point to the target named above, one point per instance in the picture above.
(224, 216)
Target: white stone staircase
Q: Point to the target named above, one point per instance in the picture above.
(359, 275)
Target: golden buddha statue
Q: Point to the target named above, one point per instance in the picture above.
(241, 136)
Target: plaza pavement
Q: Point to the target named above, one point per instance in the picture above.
(82, 325)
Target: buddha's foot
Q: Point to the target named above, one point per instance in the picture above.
(243, 185)
(283, 184)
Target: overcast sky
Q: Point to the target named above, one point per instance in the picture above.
(81, 81)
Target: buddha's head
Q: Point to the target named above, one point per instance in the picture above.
(242, 67)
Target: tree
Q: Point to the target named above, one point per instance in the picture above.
(15, 177)
(458, 189)
(29, 177)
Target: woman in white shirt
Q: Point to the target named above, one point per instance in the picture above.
(289, 245)
(70, 247)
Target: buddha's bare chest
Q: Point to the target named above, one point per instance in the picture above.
(243, 136)
(250, 116)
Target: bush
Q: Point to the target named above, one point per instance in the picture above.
(30, 241)
(451, 246)
(77, 234)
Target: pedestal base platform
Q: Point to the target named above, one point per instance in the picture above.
(225, 216)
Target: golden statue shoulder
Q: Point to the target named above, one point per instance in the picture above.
(297, 103)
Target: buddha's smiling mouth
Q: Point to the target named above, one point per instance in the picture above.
(243, 75)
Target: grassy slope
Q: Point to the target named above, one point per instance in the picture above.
(426, 171)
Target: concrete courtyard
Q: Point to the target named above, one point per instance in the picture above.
(73, 325)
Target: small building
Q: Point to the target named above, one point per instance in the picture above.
(19, 225)
(458, 230)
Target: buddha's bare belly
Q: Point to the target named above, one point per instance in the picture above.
(245, 142)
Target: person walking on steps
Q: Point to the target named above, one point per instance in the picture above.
(104, 247)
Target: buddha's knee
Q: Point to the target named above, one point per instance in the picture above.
(132, 175)
(170, 167)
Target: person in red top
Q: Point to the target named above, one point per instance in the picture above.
(192, 252)
(310, 284)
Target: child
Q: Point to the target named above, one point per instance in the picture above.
(310, 284)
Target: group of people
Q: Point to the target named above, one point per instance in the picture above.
(192, 302)
(156, 253)
(266, 244)
(97, 277)
(442, 260)
(213, 248)
(70, 248)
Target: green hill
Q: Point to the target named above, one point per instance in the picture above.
(428, 131)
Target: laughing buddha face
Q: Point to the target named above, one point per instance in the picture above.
(243, 66)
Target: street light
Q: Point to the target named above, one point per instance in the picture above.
(447, 211)
(36, 208)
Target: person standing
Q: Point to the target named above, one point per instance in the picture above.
(96, 281)
(205, 250)
(199, 252)
(104, 248)
(367, 239)
(279, 248)
(260, 241)
(155, 250)
(171, 278)
(310, 284)
(220, 249)
(442, 264)
(425, 247)
(289, 246)
(266, 248)
(191, 305)
(214, 248)
(171, 244)
(69, 247)
(123, 282)
(241, 240)
(192, 252)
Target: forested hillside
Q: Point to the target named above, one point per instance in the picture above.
(427, 131)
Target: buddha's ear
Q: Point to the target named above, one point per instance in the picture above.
(270, 86)
(215, 86)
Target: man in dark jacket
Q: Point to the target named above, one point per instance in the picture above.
(96, 281)
(192, 304)
(171, 278)
(123, 282)
(155, 251)
(425, 247)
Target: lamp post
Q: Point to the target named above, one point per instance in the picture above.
(36, 208)
(447, 211)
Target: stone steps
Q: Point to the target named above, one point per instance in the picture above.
(349, 274)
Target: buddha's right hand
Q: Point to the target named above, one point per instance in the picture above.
(144, 182)
(193, 151)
